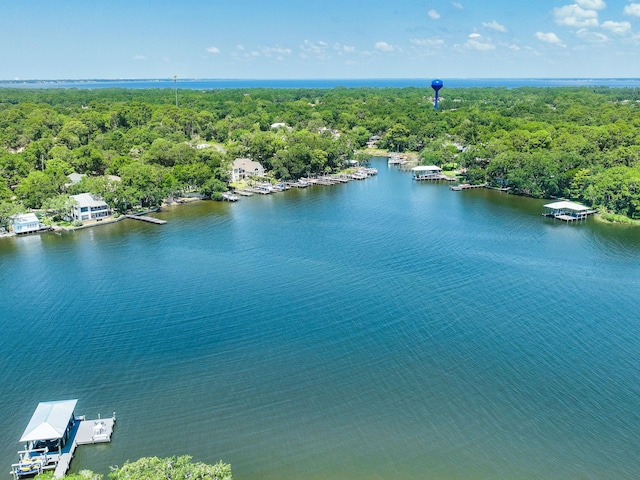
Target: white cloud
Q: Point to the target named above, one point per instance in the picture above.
(575, 16)
(323, 50)
(384, 47)
(264, 51)
(213, 50)
(632, 9)
(277, 52)
(139, 57)
(493, 25)
(619, 28)
(427, 42)
(458, 5)
(476, 42)
(549, 38)
(433, 15)
(592, 4)
(314, 49)
(592, 37)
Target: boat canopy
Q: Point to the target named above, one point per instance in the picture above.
(49, 421)
(426, 168)
(564, 205)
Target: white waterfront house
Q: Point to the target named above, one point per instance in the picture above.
(26, 223)
(89, 207)
(245, 168)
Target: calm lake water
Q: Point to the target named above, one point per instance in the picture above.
(378, 329)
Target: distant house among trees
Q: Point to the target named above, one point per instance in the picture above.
(244, 168)
(75, 178)
(373, 140)
(89, 207)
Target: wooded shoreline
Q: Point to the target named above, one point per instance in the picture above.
(581, 143)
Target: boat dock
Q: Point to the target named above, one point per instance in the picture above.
(52, 436)
(87, 433)
(430, 173)
(229, 197)
(435, 178)
(567, 211)
(360, 173)
(571, 217)
(145, 218)
(466, 186)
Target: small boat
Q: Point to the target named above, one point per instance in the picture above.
(29, 466)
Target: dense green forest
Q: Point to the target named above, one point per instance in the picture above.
(578, 143)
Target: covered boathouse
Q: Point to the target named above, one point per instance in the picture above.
(567, 211)
(427, 172)
(52, 435)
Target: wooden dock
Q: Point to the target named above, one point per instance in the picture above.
(466, 186)
(571, 217)
(145, 218)
(229, 197)
(434, 178)
(88, 432)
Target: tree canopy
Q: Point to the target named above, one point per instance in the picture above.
(576, 142)
(154, 468)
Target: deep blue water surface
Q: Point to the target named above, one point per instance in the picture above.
(377, 329)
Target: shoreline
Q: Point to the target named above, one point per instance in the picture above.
(412, 159)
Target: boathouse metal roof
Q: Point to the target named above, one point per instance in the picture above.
(426, 168)
(49, 421)
(564, 205)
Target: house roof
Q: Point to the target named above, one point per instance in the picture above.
(87, 200)
(49, 421)
(25, 218)
(246, 164)
(75, 177)
(564, 205)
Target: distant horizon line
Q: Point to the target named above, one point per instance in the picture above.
(200, 79)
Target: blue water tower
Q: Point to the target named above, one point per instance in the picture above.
(437, 85)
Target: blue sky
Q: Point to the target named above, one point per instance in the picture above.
(296, 39)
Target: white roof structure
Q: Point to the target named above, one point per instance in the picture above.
(87, 200)
(564, 205)
(75, 177)
(25, 218)
(426, 168)
(49, 421)
(247, 165)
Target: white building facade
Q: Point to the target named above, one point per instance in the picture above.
(26, 223)
(88, 207)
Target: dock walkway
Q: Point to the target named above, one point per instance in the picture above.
(466, 186)
(571, 217)
(435, 178)
(88, 432)
(145, 218)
